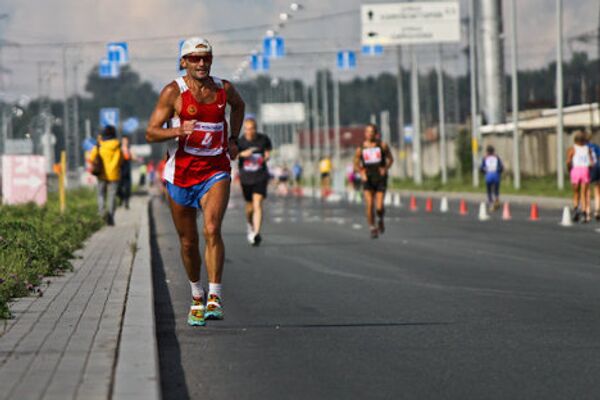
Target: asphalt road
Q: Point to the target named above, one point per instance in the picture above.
(441, 306)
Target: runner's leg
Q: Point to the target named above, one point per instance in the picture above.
(257, 202)
(379, 209)
(214, 205)
(184, 219)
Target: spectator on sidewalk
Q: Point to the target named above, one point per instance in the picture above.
(579, 162)
(297, 173)
(492, 167)
(124, 190)
(595, 177)
(109, 150)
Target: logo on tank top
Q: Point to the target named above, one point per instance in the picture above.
(191, 109)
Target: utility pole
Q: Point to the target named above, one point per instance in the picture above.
(400, 95)
(515, 98)
(474, 118)
(560, 174)
(416, 118)
(442, 118)
(76, 136)
(325, 94)
(336, 124)
(66, 130)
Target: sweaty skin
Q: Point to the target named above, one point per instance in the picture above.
(214, 203)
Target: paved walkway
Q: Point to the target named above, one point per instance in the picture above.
(65, 344)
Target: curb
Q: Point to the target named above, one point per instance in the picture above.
(137, 372)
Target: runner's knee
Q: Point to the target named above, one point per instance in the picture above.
(211, 231)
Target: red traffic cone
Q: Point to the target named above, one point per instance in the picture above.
(413, 204)
(534, 215)
(463, 208)
(506, 212)
(429, 205)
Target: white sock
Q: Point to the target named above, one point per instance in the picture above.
(197, 290)
(214, 288)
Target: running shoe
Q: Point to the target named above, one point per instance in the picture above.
(381, 226)
(597, 216)
(196, 315)
(250, 233)
(374, 232)
(257, 239)
(214, 309)
(576, 215)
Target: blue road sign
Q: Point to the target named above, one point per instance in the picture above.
(118, 52)
(258, 62)
(88, 144)
(109, 116)
(346, 60)
(273, 47)
(181, 71)
(108, 69)
(130, 125)
(372, 50)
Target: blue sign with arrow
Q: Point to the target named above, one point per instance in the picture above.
(108, 69)
(118, 52)
(273, 47)
(109, 116)
(372, 50)
(130, 125)
(259, 62)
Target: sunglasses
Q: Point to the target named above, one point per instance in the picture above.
(196, 59)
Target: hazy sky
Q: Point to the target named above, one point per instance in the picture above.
(35, 28)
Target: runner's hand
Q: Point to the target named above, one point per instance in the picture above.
(382, 171)
(363, 176)
(246, 153)
(188, 127)
(233, 149)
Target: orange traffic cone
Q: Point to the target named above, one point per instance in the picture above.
(506, 212)
(534, 215)
(463, 208)
(413, 204)
(429, 205)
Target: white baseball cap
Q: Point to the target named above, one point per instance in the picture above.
(195, 45)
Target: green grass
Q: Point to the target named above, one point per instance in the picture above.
(543, 186)
(40, 241)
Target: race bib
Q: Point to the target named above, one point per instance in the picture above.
(206, 139)
(371, 155)
(491, 164)
(253, 163)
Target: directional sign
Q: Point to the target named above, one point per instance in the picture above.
(346, 60)
(258, 62)
(282, 113)
(88, 144)
(108, 69)
(117, 52)
(23, 179)
(273, 47)
(130, 125)
(410, 23)
(372, 50)
(109, 116)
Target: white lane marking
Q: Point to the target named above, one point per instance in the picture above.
(356, 226)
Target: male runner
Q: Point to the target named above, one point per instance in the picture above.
(255, 149)
(198, 167)
(373, 160)
(492, 167)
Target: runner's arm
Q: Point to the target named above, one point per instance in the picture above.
(165, 109)
(238, 108)
(389, 157)
(570, 154)
(357, 166)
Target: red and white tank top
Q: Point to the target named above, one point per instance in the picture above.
(195, 158)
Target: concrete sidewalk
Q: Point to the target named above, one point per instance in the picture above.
(67, 344)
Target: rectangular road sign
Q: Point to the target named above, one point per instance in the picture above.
(24, 179)
(282, 113)
(410, 23)
(109, 116)
(117, 52)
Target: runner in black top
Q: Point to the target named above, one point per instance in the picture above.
(255, 149)
(372, 160)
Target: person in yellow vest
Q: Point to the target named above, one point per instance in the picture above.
(108, 181)
(325, 170)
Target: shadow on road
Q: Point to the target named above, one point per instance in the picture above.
(172, 376)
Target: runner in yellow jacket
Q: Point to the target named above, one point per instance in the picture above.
(108, 180)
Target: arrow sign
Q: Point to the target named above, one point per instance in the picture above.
(346, 60)
(118, 52)
(109, 116)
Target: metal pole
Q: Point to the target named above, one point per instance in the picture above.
(306, 135)
(325, 105)
(442, 118)
(400, 94)
(473, 68)
(66, 130)
(336, 124)
(560, 174)
(76, 146)
(515, 98)
(316, 138)
(416, 118)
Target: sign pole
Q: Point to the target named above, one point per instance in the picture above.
(442, 117)
(416, 118)
(560, 174)
(515, 98)
(400, 94)
(61, 181)
(474, 106)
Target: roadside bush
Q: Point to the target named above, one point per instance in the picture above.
(40, 241)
